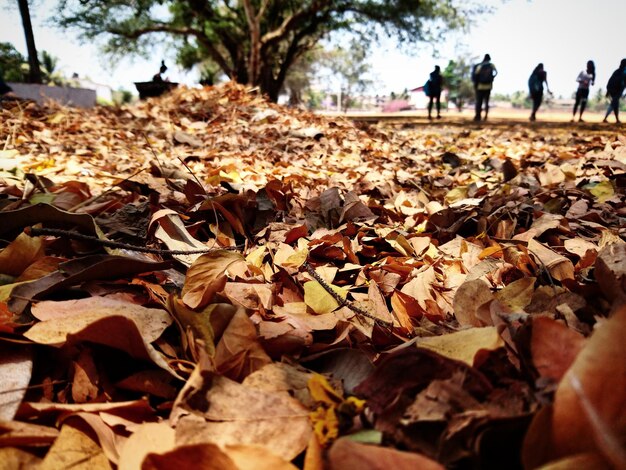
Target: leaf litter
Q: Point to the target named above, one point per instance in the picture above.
(209, 279)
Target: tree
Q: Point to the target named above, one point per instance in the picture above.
(34, 72)
(299, 80)
(349, 68)
(49, 73)
(11, 62)
(457, 79)
(257, 41)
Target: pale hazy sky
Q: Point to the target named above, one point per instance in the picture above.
(563, 34)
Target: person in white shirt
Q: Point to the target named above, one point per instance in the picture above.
(585, 79)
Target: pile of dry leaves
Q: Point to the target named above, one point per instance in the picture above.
(208, 280)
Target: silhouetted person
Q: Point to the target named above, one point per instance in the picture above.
(585, 79)
(162, 70)
(614, 89)
(4, 88)
(535, 87)
(482, 76)
(434, 91)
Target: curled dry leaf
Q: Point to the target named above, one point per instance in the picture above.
(585, 419)
(469, 297)
(208, 275)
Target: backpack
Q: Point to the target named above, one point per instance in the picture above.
(427, 88)
(485, 73)
(615, 85)
(535, 84)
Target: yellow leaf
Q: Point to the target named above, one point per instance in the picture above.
(297, 259)
(458, 193)
(320, 301)
(602, 191)
(463, 345)
(517, 294)
(495, 251)
(325, 424)
(322, 391)
(56, 118)
(74, 448)
(255, 257)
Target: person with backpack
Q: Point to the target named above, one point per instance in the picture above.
(614, 89)
(585, 79)
(433, 91)
(482, 76)
(535, 87)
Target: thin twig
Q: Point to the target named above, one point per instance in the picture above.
(344, 302)
(35, 231)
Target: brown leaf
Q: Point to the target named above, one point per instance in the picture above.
(85, 383)
(234, 414)
(238, 352)
(205, 456)
(346, 454)
(146, 438)
(208, 275)
(518, 294)
(553, 347)
(174, 234)
(20, 253)
(582, 406)
(17, 433)
(74, 448)
(12, 458)
(610, 270)
(16, 367)
(468, 300)
(559, 266)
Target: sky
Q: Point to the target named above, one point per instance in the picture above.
(563, 34)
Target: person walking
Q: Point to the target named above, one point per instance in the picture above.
(482, 76)
(435, 83)
(614, 89)
(535, 86)
(585, 79)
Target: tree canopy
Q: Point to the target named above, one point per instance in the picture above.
(257, 41)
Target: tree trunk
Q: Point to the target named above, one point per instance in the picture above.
(34, 71)
(254, 60)
(270, 85)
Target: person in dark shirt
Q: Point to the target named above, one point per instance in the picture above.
(5, 90)
(614, 89)
(585, 79)
(535, 87)
(162, 70)
(482, 76)
(434, 91)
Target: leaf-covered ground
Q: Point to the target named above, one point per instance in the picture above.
(206, 280)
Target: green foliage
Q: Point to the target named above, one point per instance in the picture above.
(256, 41)
(49, 73)
(11, 62)
(521, 99)
(457, 79)
(121, 96)
(349, 68)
